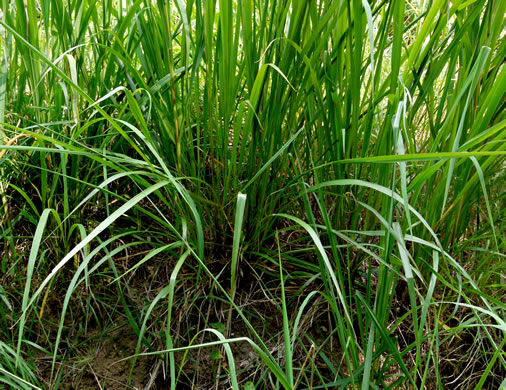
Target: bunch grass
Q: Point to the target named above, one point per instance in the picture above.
(343, 156)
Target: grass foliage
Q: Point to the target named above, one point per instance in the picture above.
(319, 183)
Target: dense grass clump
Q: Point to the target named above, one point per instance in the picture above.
(252, 194)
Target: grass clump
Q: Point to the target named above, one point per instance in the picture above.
(278, 194)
